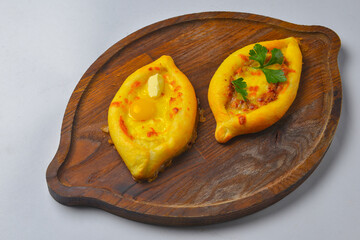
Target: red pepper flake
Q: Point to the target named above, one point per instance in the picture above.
(152, 133)
(157, 68)
(115, 104)
(136, 84)
(177, 88)
(238, 71)
(150, 68)
(242, 120)
(180, 94)
(172, 99)
(173, 83)
(162, 94)
(175, 110)
(124, 128)
(126, 100)
(253, 88)
(243, 57)
(136, 98)
(256, 73)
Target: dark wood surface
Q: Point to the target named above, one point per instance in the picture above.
(211, 182)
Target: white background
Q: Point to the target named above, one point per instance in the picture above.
(46, 46)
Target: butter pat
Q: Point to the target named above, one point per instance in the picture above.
(155, 85)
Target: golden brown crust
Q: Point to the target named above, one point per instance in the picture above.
(266, 103)
(146, 145)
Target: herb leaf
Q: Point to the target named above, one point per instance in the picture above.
(276, 57)
(240, 87)
(258, 54)
(273, 76)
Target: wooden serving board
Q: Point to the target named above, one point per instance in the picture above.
(211, 182)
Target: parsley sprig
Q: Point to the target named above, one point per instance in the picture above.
(240, 86)
(258, 53)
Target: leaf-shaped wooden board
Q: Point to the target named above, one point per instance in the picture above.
(211, 182)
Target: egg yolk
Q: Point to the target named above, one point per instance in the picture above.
(142, 109)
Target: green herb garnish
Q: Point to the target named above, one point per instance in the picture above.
(259, 54)
(240, 86)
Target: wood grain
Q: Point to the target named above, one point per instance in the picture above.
(211, 182)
